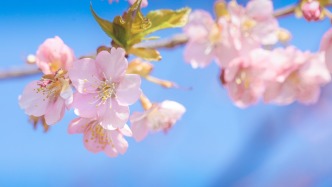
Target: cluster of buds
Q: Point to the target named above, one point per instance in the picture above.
(244, 43)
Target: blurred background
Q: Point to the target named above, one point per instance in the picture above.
(215, 143)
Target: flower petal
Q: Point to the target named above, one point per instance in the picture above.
(113, 65)
(55, 111)
(84, 75)
(32, 102)
(78, 125)
(115, 116)
(85, 105)
(139, 127)
(129, 90)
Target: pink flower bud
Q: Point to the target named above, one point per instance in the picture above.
(311, 10)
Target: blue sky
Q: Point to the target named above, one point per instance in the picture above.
(215, 143)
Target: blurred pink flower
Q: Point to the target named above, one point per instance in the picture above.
(295, 75)
(97, 139)
(161, 116)
(311, 10)
(326, 46)
(104, 88)
(233, 35)
(245, 77)
(53, 55)
(204, 35)
(48, 97)
(143, 4)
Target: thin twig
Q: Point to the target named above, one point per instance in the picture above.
(18, 72)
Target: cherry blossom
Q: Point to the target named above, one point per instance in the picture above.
(204, 34)
(311, 10)
(160, 117)
(295, 75)
(104, 90)
(143, 4)
(47, 97)
(245, 77)
(97, 139)
(53, 55)
(326, 46)
(235, 34)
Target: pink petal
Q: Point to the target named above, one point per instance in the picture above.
(125, 131)
(84, 75)
(85, 105)
(111, 151)
(32, 102)
(139, 127)
(143, 4)
(78, 125)
(91, 143)
(115, 116)
(55, 111)
(113, 65)
(199, 25)
(129, 90)
(54, 50)
(120, 143)
(199, 54)
(326, 45)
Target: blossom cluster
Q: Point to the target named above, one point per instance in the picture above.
(104, 91)
(244, 41)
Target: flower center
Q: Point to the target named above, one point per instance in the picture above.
(243, 79)
(99, 135)
(106, 90)
(51, 85)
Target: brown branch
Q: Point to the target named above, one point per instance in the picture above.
(18, 72)
(285, 11)
(176, 40)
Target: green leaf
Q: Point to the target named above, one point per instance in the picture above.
(106, 26)
(146, 53)
(163, 19)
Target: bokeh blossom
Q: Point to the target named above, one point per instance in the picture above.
(295, 76)
(97, 139)
(232, 35)
(159, 117)
(245, 77)
(47, 97)
(53, 55)
(326, 47)
(104, 90)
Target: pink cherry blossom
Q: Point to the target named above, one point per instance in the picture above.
(244, 77)
(295, 75)
(143, 4)
(53, 55)
(160, 117)
(97, 139)
(204, 34)
(311, 10)
(242, 30)
(104, 89)
(326, 46)
(47, 97)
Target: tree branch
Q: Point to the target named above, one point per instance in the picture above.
(18, 72)
(176, 40)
